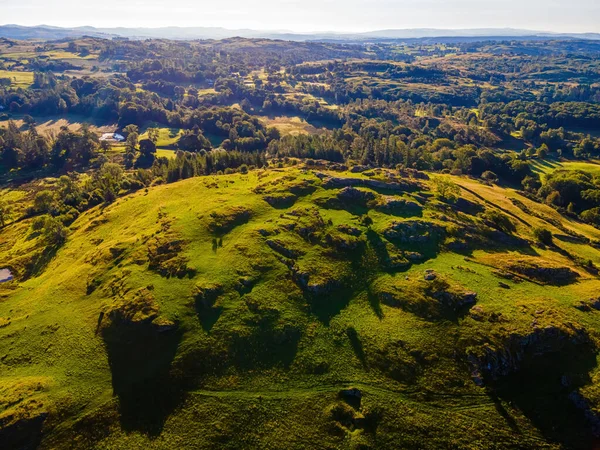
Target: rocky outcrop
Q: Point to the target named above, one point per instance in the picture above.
(355, 196)
(395, 204)
(205, 295)
(283, 250)
(392, 186)
(414, 231)
(164, 256)
(554, 275)
(490, 362)
(280, 200)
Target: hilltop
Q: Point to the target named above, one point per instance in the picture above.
(303, 307)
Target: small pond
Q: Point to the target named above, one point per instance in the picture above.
(5, 275)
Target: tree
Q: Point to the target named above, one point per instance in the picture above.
(104, 146)
(489, 176)
(445, 189)
(43, 201)
(108, 179)
(132, 137)
(52, 230)
(543, 235)
(147, 147)
(153, 134)
(5, 213)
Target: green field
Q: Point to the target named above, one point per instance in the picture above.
(18, 79)
(548, 166)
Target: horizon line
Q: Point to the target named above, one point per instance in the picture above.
(323, 31)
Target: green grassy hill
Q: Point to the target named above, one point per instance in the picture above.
(296, 308)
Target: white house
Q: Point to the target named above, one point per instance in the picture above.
(113, 137)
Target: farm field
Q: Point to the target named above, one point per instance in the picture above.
(18, 79)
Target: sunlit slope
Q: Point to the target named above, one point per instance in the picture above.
(237, 311)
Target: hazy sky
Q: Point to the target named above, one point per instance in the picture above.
(310, 15)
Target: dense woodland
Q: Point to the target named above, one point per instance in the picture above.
(484, 109)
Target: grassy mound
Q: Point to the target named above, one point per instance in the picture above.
(300, 309)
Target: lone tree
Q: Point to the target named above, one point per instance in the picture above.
(446, 190)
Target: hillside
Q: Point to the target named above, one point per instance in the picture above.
(303, 307)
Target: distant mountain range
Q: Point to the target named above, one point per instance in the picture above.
(47, 32)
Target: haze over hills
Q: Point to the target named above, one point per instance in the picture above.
(12, 31)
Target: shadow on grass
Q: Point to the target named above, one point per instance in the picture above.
(208, 316)
(25, 434)
(140, 360)
(266, 347)
(543, 390)
(326, 306)
(357, 345)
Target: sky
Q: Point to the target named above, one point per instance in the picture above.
(310, 15)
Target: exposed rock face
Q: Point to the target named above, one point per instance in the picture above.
(359, 169)
(164, 256)
(395, 204)
(280, 200)
(494, 362)
(456, 301)
(281, 248)
(554, 275)
(135, 308)
(206, 295)
(227, 219)
(353, 195)
(430, 275)
(343, 242)
(347, 229)
(393, 186)
(414, 231)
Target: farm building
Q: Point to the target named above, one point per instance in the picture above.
(112, 137)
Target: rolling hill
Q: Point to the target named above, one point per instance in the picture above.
(303, 307)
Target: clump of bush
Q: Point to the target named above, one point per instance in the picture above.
(543, 236)
(52, 230)
(498, 220)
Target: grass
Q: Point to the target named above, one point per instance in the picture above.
(259, 356)
(18, 79)
(292, 126)
(548, 166)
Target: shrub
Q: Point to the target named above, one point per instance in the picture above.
(543, 235)
(244, 169)
(498, 220)
(591, 216)
(52, 229)
(43, 201)
(445, 189)
(490, 176)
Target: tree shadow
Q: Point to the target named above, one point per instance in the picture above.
(357, 346)
(140, 359)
